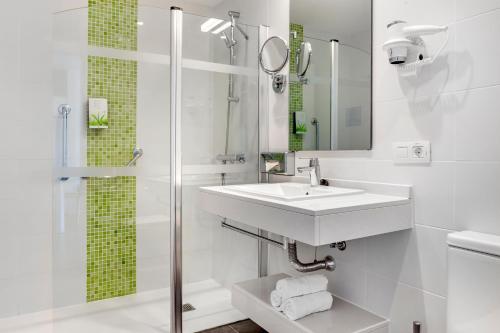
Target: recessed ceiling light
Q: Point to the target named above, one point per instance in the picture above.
(222, 27)
(210, 24)
(140, 23)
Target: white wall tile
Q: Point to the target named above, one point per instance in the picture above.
(380, 294)
(477, 136)
(467, 8)
(8, 257)
(70, 287)
(34, 293)
(410, 304)
(424, 265)
(404, 304)
(34, 255)
(69, 250)
(477, 197)
(348, 282)
(153, 240)
(477, 57)
(153, 273)
(8, 297)
(386, 254)
(423, 118)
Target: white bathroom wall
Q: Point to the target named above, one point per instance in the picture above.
(26, 157)
(454, 104)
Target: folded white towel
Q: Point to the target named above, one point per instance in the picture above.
(292, 287)
(297, 307)
(276, 299)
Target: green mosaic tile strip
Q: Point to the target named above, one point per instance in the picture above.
(111, 203)
(295, 103)
(113, 24)
(111, 237)
(115, 80)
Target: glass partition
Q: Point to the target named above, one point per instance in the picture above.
(219, 146)
(111, 253)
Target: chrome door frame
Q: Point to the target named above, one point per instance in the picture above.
(334, 93)
(176, 15)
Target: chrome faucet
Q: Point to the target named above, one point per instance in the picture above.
(314, 171)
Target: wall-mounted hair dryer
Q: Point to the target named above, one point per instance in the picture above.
(406, 40)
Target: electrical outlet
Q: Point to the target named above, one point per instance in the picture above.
(411, 152)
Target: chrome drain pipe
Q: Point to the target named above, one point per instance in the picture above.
(328, 263)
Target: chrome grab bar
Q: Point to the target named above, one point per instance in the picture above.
(315, 123)
(64, 110)
(252, 235)
(137, 154)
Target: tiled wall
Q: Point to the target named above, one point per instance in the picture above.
(295, 104)
(111, 203)
(453, 103)
(113, 24)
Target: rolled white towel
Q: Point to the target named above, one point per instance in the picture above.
(309, 284)
(276, 299)
(298, 307)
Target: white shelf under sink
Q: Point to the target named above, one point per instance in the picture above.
(252, 299)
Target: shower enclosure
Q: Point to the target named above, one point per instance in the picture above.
(179, 110)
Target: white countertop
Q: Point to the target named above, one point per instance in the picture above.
(316, 207)
(380, 208)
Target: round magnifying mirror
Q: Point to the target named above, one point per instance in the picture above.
(274, 55)
(303, 59)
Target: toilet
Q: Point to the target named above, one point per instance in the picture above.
(473, 283)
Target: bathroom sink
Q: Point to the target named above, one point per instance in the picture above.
(292, 191)
(316, 216)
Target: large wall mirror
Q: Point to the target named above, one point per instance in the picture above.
(330, 75)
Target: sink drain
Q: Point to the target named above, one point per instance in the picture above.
(187, 307)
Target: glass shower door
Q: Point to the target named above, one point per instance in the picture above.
(111, 231)
(219, 133)
(114, 252)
